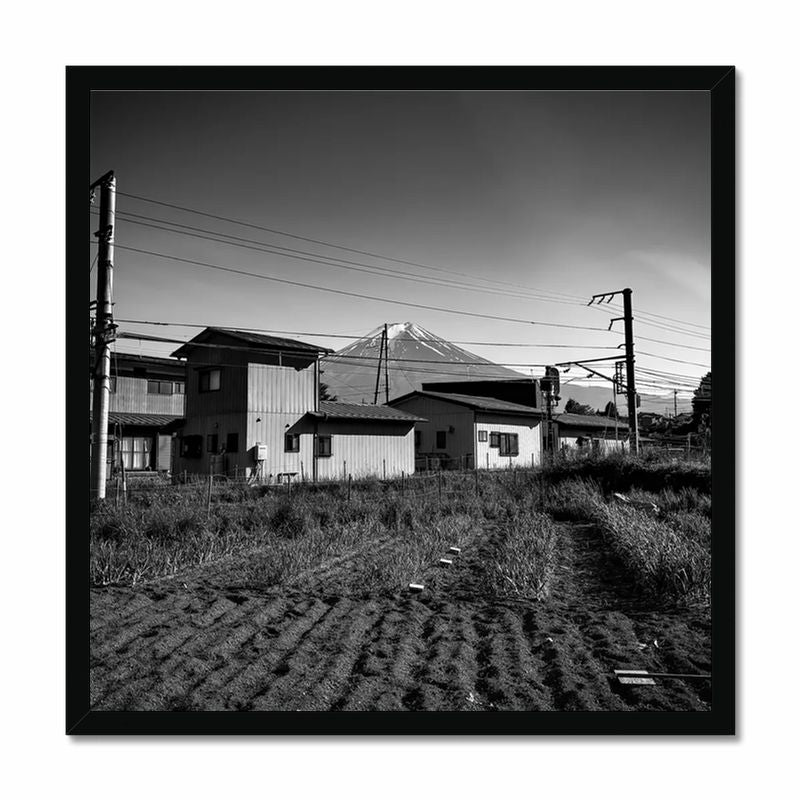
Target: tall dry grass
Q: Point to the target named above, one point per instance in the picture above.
(168, 531)
(667, 552)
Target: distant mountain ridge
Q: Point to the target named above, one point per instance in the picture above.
(416, 356)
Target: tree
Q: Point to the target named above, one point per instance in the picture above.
(574, 407)
(325, 393)
(610, 410)
(701, 405)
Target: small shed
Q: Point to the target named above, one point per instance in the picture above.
(590, 432)
(359, 440)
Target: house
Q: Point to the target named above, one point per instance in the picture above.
(146, 406)
(359, 440)
(579, 431)
(465, 430)
(253, 410)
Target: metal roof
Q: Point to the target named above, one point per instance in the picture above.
(478, 403)
(151, 420)
(335, 410)
(588, 421)
(260, 340)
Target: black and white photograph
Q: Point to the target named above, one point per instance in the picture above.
(391, 392)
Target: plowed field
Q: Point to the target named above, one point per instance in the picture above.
(204, 641)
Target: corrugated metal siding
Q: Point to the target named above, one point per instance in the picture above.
(441, 415)
(132, 396)
(366, 452)
(271, 432)
(283, 389)
(280, 397)
(530, 441)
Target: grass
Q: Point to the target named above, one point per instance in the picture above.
(168, 530)
(524, 563)
(619, 472)
(391, 531)
(668, 552)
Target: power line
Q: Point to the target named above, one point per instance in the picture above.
(285, 281)
(553, 293)
(320, 258)
(362, 336)
(316, 241)
(333, 357)
(676, 360)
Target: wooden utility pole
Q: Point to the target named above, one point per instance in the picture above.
(675, 400)
(630, 378)
(104, 329)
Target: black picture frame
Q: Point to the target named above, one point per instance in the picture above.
(719, 82)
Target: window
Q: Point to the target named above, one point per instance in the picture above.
(417, 439)
(483, 436)
(159, 387)
(210, 380)
(494, 439)
(136, 452)
(441, 440)
(180, 387)
(291, 443)
(192, 446)
(212, 442)
(232, 443)
(509, 444)
(324, 446)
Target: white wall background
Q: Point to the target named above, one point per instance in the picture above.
(759, 38)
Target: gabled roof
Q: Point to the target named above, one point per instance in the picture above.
(335, 410)
(254, 341)
(589, 421)
(477, 403)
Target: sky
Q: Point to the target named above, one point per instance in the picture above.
(517, 205)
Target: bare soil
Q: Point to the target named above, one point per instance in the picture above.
(206, 641)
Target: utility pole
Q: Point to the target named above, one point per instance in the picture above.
(386, 360)
(675, 400)
(630, 379)
(104, 329)
(550, 385)
(380, 360)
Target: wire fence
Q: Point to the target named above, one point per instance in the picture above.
(440, 475)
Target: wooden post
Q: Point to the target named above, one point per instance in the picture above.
(384, 469)
(402, 482)
(116, 496)
(288, 484)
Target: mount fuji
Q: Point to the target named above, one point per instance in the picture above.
(415, 356)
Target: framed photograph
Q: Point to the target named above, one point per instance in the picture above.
(399, 400)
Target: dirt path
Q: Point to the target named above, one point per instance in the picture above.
(202, 642)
